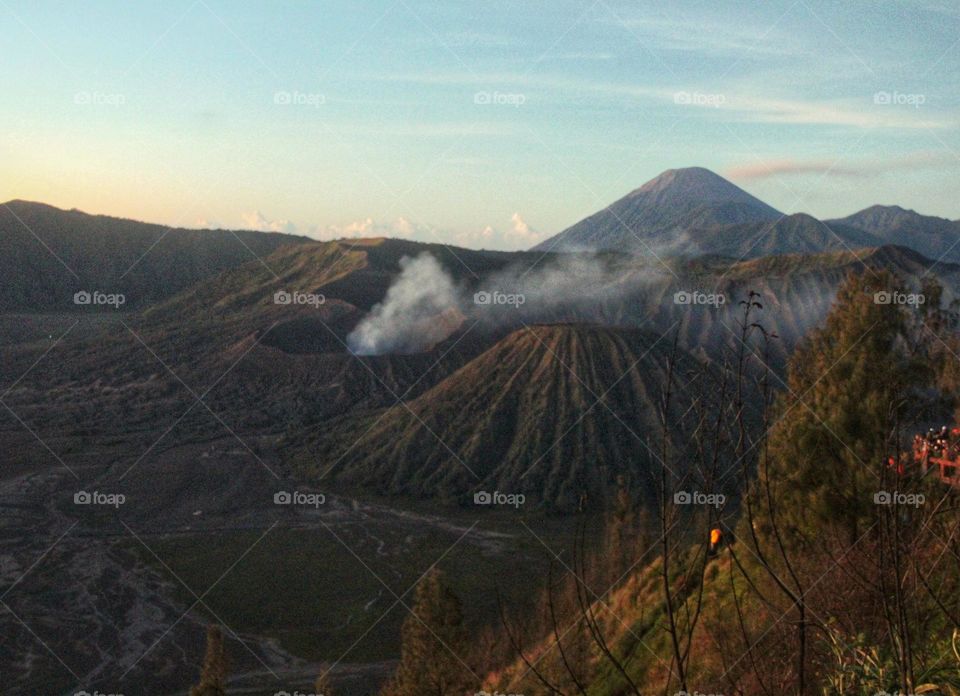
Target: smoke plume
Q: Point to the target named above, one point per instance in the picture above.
(418, 311)
(425, 304)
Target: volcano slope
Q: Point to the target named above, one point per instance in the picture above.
(268, 369)
(554, 412)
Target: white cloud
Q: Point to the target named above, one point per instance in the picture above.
(519, 225)
(863, 168)
(751, 105)
(401, 228)
(717, 38)
(862, 113)
(257, 221)
(580, 55)
(203, 223)
(755, 100)
(515, 235)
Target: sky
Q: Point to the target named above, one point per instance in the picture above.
(485, 124)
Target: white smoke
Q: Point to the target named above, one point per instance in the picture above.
(419, 310)
(426, 305)
(576, 287)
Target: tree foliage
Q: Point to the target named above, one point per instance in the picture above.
(844, 404)
(433, 639)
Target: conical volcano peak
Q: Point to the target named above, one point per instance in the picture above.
(659, 214)
(684, 176)
(693, 185)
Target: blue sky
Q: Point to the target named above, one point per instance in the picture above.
(490, 124)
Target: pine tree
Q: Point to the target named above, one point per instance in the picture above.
(433, 639)
(213, 678)
(846, 394)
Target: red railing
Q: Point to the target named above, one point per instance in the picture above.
(941, 453)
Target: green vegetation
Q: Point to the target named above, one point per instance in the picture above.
(433, 640)
(822, 586)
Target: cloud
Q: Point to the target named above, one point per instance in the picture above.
(516, 235)
(862, 113)
(716, 38)
(580, 55)
(257, 221)
(765, 170)
(520, 227)
(519, 235)
(401, 228)
(745, 105)
(203, 223)
(753, 100)
(423, 128)
(865, 168)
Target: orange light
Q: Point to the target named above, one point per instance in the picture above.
(714, 537)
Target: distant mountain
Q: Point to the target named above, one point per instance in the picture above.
(934, 237)
(654, 216)
(42, 247)
(790, 234)
(694, 212)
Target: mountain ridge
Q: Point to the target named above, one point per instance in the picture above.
(648, 216)
(693, 212)
(47, 254)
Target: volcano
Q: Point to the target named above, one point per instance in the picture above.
(654, 217)
(550, 411)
